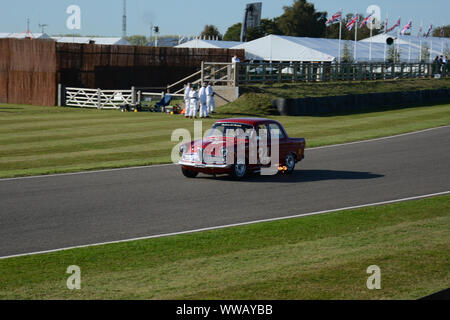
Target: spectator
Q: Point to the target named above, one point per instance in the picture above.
(436, 65)
(186, 100)
(445, 65)
(235, 59)
(202, 99)
(210, 101)
(193, 102)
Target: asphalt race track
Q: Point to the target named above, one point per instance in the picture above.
(51, 212)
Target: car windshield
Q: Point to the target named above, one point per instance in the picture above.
(230, 130)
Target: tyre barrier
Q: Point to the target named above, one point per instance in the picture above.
(354, 103)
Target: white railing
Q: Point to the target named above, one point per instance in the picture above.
(97, 98)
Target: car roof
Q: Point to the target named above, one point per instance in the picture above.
(250, 121)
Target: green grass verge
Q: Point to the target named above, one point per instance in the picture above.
(315, 257)
(257, 99)
(43, 140)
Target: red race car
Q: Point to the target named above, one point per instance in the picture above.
(238, 146)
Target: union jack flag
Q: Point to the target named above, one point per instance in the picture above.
(335, 18)
(364, 22)
(352, 22)
(394, 26)
(429, 31)
(405, 28)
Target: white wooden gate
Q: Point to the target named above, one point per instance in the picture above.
(96, 98)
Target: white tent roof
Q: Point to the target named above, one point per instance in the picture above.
(285, 48)
(208, 44)
(439, 44)
(22, 35)
(97, 40)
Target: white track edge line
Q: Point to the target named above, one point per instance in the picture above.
(229, 225)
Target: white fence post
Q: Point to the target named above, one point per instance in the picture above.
(99, 99)
(60, 93)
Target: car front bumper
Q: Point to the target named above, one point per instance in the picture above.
(204, 165)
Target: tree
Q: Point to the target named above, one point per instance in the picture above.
(437, 31)
(393, 54)
(347, 53)
(302, 20)
(211, 32)
(425, 53)
(137, 40)
(268, 26)
(233, 33)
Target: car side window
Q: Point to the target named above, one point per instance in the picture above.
(275, 129)
(262, 130)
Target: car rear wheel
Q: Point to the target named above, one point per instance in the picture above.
(239, 171)
(189, 173)
(290, 163)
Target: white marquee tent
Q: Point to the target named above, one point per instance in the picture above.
(96, 40)
(438, 45)
(285, 48)
(208, 44)
(23, 35)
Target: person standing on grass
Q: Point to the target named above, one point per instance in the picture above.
(202, 99)
(193, 102)
(210, 102)
(186, 100)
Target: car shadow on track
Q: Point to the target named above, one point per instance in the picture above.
(306, 176)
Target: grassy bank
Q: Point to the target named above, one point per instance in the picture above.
(316, 257)
(257, 99)
(43, 140)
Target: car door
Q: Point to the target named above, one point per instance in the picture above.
(283, 148)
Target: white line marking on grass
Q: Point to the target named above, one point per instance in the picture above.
(230, 225)
(173, 164)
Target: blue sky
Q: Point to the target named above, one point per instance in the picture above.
(187, 18)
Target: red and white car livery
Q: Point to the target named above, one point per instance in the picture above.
(238, 146)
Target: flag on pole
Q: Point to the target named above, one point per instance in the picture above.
(406, 27)
(442, 33)
(386, 25)
(419, 34)
(365, 20)
(352, 22)
(335, 18)
(394, 26)
(429, 31)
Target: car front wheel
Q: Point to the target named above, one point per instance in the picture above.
(189, 173)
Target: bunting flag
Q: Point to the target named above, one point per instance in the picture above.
(394, 26)
(352, 22)
(367, 19)
(419, 34)
(429, 31)
(406, 28)
(335, 18)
